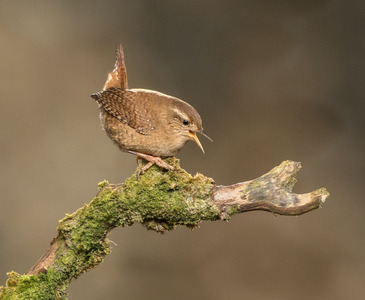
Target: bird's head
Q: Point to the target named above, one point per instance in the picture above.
(186, 122)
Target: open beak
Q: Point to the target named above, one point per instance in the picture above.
(196, 140)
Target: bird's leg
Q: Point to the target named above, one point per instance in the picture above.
(151, 161)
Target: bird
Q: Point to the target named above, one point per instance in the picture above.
(143, 122)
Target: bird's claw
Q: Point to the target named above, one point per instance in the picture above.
(151, 161)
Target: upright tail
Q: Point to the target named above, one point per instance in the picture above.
(118, 78)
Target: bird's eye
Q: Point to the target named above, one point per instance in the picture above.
(186, 122)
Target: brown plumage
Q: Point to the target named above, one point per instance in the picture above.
(143, 122)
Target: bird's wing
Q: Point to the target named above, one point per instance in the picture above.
(121, 104)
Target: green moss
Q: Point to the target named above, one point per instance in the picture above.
(172, 198)
(233, 210)
(159, 200)
(42, 286)
(102, 184)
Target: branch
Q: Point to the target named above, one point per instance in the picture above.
(160, 201)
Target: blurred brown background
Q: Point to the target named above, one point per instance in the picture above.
(272, 80)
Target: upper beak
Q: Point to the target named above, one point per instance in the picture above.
(203, 133)
(195, 138)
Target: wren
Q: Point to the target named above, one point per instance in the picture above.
(143, 122)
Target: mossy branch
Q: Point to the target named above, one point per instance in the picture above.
(160, 201)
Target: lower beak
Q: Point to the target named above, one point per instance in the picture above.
(196, 140)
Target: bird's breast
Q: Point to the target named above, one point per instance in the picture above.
(159, 141)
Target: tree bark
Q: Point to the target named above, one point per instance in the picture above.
(160, 201)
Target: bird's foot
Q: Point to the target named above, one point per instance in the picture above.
(151, 161)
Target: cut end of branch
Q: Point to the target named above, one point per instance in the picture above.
(271, 192)
(320, 195)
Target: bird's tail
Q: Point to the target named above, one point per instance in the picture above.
(118, 78)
